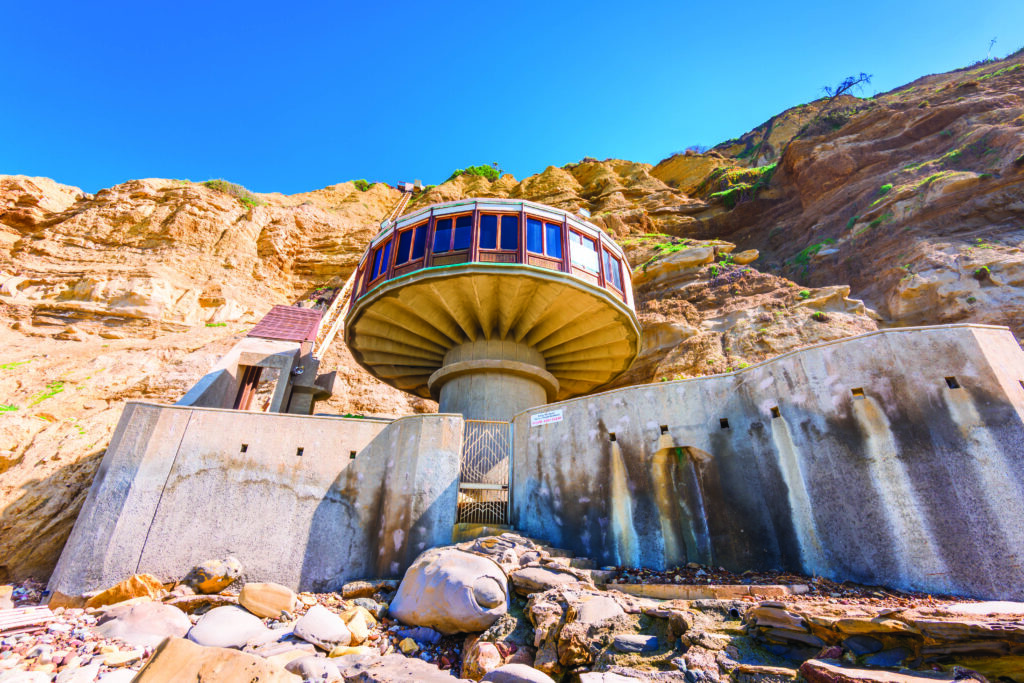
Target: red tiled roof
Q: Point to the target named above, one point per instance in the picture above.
(289, 323)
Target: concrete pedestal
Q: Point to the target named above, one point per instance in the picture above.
(492, 380)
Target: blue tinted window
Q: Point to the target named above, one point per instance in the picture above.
(510, 232)
(419, 241)
(404, 242)
(463, 232)
(380, 261)
(376, 265)
(488, 232)
(442, 235)
(534, 235)
(553, 247)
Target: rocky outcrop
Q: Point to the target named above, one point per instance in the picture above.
(910, 201)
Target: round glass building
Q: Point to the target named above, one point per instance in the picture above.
(492, 306)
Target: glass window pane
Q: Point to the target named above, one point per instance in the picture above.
(463, 230)
(583, 252)
(385, 260)
(376, 264)
(488, 232)
(442, 235)
(612, 272)
(510, 232)
(419, 241)
(553, 245)
(534, 235)
(404, 242)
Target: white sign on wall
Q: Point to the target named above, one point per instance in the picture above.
(546, 418)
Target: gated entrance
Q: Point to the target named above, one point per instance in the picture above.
(483, 478)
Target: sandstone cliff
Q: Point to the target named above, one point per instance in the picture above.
(911, 201)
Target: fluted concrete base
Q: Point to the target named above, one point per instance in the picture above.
(492, 380)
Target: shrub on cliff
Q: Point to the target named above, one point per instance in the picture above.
(489, 172)
(235, 190)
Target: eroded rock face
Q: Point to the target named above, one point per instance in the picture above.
(452, 591)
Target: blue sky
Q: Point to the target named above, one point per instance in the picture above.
(295, 96)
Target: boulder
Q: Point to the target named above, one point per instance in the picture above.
(227, 627)
(137, 586)
(359, 622)
(517, 673)
(452, 591)
(510, 551)
(80, 674)
(393, 668)
(367, 589)
(180, 660)
(313, 668)
(143, 625)
(213, 576)
(379, 610)
(343, 650)
(745, 257)
(480, 657)
(6, 601)
(323, 628)
(267, 599)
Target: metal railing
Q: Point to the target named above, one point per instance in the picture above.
(484, 473)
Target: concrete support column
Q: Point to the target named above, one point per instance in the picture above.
(492, 380)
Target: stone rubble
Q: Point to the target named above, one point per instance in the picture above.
(550, 628)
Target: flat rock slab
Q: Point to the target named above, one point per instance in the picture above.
(390, 669)
(145, 624)
(628, 642)
(988, 609)
(675, 591)
(599, 609)
(181, 660)
(227, 627)
(822, 671)
(531, 580)
(517, 673)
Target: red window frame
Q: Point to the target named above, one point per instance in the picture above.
(425, 225)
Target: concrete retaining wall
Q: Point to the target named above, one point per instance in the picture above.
(176, 487)
(908, 482)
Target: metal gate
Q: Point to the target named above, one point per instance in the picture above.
(483, 477)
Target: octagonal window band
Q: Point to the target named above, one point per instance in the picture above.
(495, 231)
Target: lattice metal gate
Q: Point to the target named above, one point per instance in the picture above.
(483, 479)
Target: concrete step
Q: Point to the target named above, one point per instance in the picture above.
(467, 532)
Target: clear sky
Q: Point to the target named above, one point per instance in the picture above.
(293, 96)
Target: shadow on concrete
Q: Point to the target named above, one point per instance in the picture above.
(366, 530)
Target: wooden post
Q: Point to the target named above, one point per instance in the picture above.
(428, 243)
(474, 235)
(566, 266)
(522, 255)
